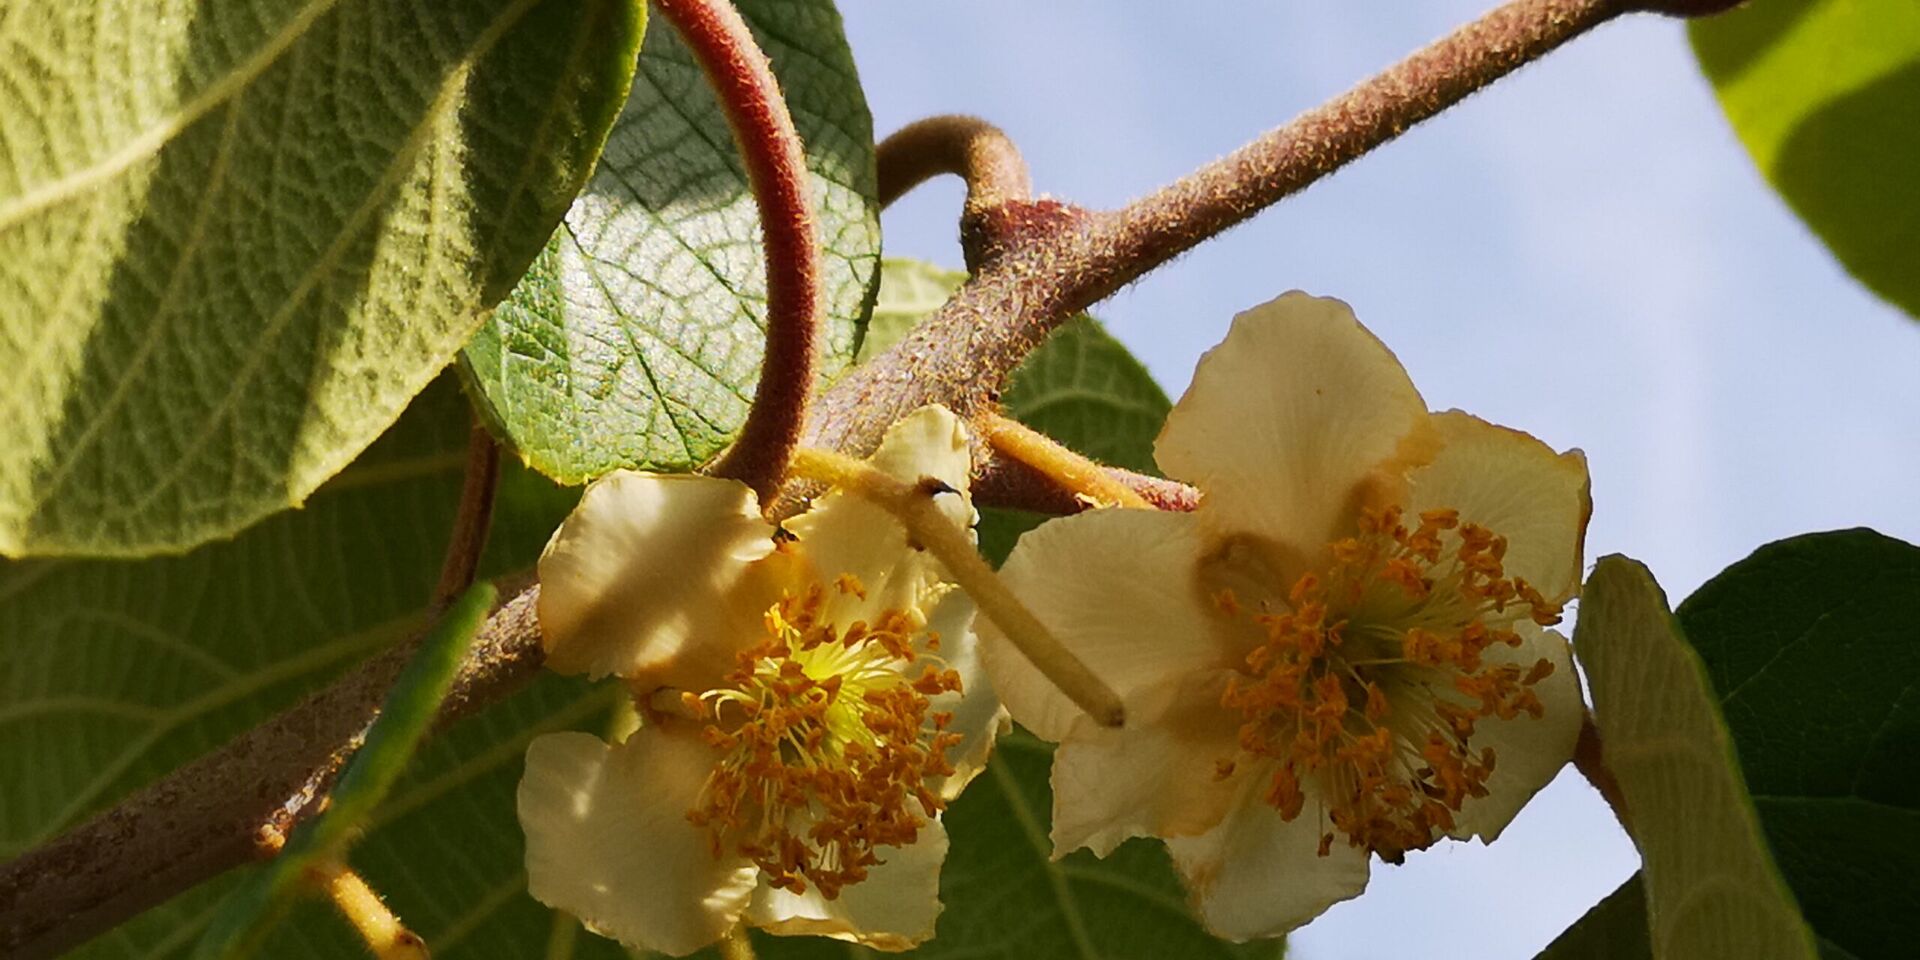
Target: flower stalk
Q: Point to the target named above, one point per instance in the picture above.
(385, 936)
(914, 506)
(1069, 470)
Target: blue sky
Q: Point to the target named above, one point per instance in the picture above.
(1583, 252)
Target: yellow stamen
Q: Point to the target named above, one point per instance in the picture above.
(1371, 683)
(828, 748)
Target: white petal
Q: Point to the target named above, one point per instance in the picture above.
(894, 908)
(1256, 875)
(977, 713)
(608, 839)
(844, 534)
(1517, 487)
(1291, 423)
(1527, 752)
(645, 577)
(1146, 779)
(1119, 588)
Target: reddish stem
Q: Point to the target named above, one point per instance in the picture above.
(472, 520)
(743, 80)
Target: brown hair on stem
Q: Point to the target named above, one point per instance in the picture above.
(742, 79)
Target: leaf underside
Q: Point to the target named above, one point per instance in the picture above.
(237, 238)
(635, 339)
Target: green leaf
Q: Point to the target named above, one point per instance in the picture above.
(909, 290)
(1824, 95)
(250, 912)
(237, 237)
(1813, 645)
(1082, 387)
(635, 340)
(1711, 887)
(112, 673)
(1615, 929)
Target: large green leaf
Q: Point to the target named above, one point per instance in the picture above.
(1811, 648)
(1813, 645)
(1082, 387)
(114, 672)
(1826, 96)
(237, 237)
(1711, 889)
(635, 340)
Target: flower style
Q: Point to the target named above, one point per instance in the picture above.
(810, 697)
(1343, 651)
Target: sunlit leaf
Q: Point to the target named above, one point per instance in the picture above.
(635, 340)
(236, 238)
(1826, 96)
(1711, 889)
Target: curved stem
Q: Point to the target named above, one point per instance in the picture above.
(743, 80)
(472, 519)
(979, 152)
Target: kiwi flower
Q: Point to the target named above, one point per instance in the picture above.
(810, 701)
(1342, 652)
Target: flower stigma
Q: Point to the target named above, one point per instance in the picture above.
(1370, 684)
(827, 745)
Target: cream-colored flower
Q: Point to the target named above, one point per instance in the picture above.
(1343, 651)
(811, 700)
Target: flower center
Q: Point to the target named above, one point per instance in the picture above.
(1372, 683)
(827, 746)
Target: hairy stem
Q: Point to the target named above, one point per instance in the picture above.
(385, 936)
(979, 152)
(471, 520)
(1051, 262)
(228, 807)
(743, 80)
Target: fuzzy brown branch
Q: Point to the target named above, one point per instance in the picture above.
(743, 81)
(1052, 260)
(977, 151)
(222, 810)
(1044, 262)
